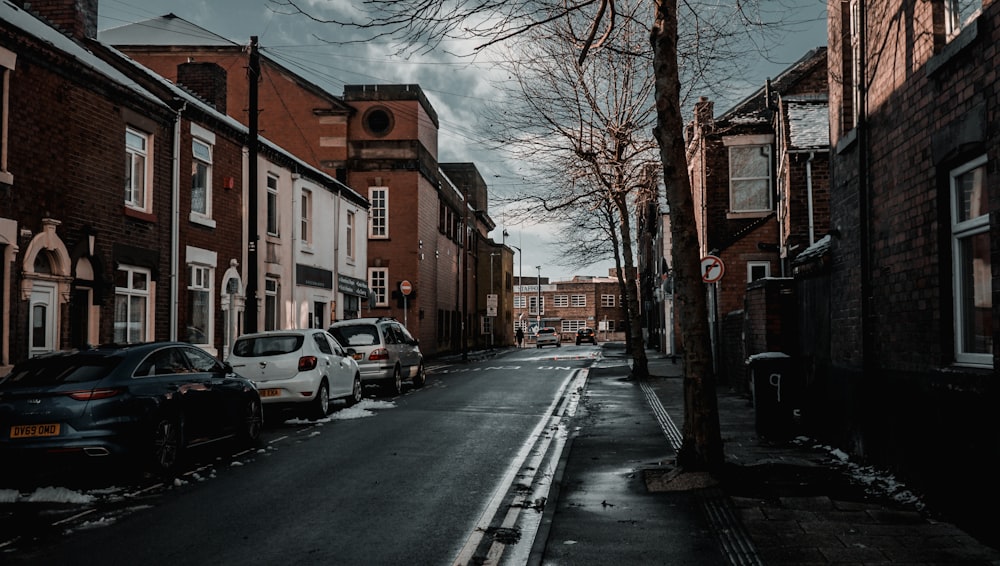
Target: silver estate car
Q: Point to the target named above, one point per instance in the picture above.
(387, 354)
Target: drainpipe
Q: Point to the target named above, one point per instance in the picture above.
(809, 197)
(175, 216)
(864, 213)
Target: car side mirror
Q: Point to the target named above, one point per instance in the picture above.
(415, 342)
(228, 367)
(351, 351)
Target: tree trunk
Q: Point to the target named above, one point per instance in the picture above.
(702, 445)
(637, 346)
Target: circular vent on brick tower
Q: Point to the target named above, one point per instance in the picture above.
(378, 121)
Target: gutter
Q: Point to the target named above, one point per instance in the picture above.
(175, 216)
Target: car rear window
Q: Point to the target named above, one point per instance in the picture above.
(360, 335)
(60, 369)
(267, 345)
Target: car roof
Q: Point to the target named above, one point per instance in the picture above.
(364, 320)
(280, 332)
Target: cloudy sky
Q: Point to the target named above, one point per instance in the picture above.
(458, 87)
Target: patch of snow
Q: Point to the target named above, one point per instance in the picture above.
(58, 495)
(9, 495)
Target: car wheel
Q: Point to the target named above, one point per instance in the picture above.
(395, 384)
(539, 346)
(321, 404)
(420, 378)
(253, 422)
(577, 342)
(355, 396)
(558, 345)
(167, 444)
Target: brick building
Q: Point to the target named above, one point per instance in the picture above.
(908, 276)
(581, 302)
(758, 178)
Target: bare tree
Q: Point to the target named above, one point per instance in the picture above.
(586, 128)
(714, 39)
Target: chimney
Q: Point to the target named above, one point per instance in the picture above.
(206, 80)
(74, 18)
(704, 111)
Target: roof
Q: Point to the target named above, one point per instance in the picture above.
(808, 124)
(32, 26)
(752, 108)
(167, 30)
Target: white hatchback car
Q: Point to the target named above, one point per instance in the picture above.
(298, 370)
(547, 336)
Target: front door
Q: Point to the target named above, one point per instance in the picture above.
(42, 319)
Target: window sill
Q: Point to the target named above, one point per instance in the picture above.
(307, 248)
(748, 215)
(953, 48)
(202, 220)
(6, 177)
(847, 141)
(139, 214)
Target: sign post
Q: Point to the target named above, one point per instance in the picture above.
(405, 289)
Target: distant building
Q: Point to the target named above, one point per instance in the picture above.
(581, 302)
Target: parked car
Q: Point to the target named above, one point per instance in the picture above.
(148, 402)
(547, 336)
(385, 351)
(586, 335)
(297, 371)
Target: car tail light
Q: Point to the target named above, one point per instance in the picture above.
(379, 354)
(93, 394)
(307, 363)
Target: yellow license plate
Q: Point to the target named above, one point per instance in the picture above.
(34, 430)
(270, 392)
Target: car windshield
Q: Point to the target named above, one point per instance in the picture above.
(54, 370)
(360, 335)
(257, 346)
(547, 331)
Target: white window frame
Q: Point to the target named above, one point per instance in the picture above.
(560, 301)
(378, 215)
(137, 197)
(533, 302)
(608, 301)
(578, 300)
(573, 325)
(349, 235)
(8, 59)
(378, 283)
(762, 144)
(272, 303)
(272, 219)
(306, 217)
(201, 160)
(855, 35)
(486, 325)
(130, 292)
(754, 264)
(520, 302)
(962, 230)
(959, 14)
(200, 278)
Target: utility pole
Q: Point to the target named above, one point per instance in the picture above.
(538, 305)
(253, 77)
(465, 276)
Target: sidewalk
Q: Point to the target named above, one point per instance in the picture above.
(616, 500)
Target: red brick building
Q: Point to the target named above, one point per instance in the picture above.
(758, 177)
(909, 277)
(581, 302)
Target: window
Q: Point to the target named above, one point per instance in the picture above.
(520, 302)
(970, 230)
(201, 178)
(486, 325)
(305, 220)
(749, 178)
(560, 301)
(578, 301)
(349, 244)
(573, 325)
(378, 282)
(272, 312)
(199, 307)
(7, 61)
(852, 115)
(378, 216)
(607, 300)
(533, 303)
(131, 305)
(272, 206)
(758, 270)
(137, 145)
(959, 14)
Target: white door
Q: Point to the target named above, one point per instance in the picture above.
(42, 319)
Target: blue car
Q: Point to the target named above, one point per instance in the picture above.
(148, 402)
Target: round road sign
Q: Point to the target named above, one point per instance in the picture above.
(712, 269)
(405, 288)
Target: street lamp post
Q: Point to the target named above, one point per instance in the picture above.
(520, 282)
(493, 330)
(538, 300)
